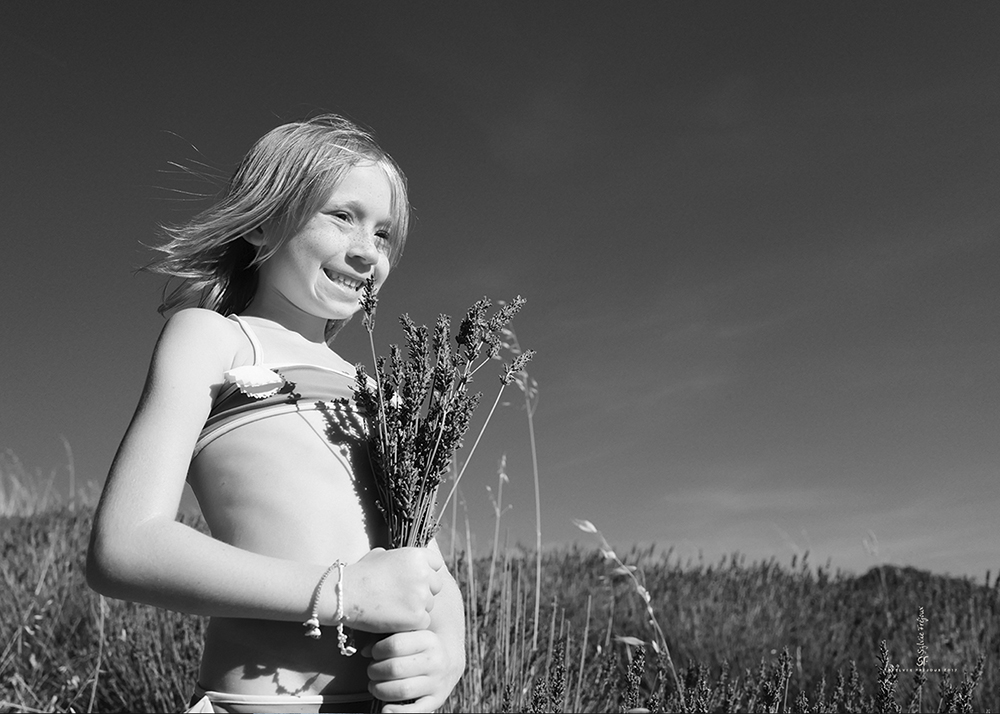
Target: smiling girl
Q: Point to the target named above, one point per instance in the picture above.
(235, 404)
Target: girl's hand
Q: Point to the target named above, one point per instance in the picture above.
(413, 670)
(393, 590)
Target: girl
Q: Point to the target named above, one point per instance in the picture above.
(239, 402)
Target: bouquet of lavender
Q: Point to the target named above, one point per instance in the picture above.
(417, 410)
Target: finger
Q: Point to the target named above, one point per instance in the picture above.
(435, 583)
(397, 669)
(402, 690)
(364, 641)
(401, 644)
(434, 558)
(424, 704)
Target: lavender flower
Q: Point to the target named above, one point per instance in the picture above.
(417, 409)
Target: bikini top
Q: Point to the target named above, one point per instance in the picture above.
(261, 390)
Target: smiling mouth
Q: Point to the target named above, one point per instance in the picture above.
(347, 282)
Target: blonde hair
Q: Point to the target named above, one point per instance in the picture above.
(283, 180)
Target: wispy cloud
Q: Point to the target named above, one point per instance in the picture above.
(856, 529)
(753, 498)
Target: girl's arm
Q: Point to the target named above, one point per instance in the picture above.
(138, 551)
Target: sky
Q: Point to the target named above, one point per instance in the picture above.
(758, 243)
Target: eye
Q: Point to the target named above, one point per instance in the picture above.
(341, 216)
(383, 241)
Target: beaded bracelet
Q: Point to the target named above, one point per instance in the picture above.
(312, 624)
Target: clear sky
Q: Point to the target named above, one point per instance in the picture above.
(759, 243)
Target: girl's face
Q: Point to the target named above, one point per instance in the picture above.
(319, 270)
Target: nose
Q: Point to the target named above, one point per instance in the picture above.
(364, 247)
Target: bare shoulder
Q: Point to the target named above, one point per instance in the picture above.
(202, 335)
(199, 323)
(195, 348)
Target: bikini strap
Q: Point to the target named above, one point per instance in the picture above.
(258, 351)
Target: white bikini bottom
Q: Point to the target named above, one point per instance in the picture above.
(227, 703)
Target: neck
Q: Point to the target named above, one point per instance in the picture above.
(288, 316)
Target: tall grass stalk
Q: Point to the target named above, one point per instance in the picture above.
(577, 703)
(529, 389)
(498, 511)
(530, 409)
(660, 643)
(475, 650)
(71, 468)
(102, 606)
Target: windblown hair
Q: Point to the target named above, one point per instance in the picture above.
(283, 180)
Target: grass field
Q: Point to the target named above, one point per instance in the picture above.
(744, 636)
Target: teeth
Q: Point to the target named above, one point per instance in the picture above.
(343, 280)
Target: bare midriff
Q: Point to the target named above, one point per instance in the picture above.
(278, 487)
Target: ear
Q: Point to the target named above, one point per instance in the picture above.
(255, 237)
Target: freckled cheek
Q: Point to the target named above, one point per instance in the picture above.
(383, 270)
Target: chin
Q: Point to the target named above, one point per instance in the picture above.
(341, 314)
